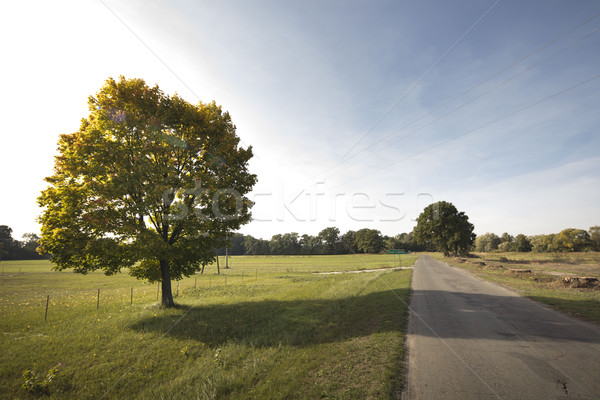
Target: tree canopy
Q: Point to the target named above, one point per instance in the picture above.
(369, 241)
(442, 225)
(487, 242)
(12, 249)
(149, 182)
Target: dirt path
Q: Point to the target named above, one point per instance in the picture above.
(358, 271)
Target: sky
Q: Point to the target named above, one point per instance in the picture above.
(359, 113)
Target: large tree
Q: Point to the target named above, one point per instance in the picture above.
(487, 242)
(285, 244)
(330, 239)
(369, 241)
(7, 243)
(573, 240)
(595, 237)
(446, 228)
(149, 182)
(522, 243)
(348, 241)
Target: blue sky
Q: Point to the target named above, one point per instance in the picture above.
(356, 110)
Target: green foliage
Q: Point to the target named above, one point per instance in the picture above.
(310, 245)
(568, 240)
(595, 237)
(405, 241)
(369, 241)
(506, 247)
(330, 239)
(348, 241)
(6, 241)
(149, 181)
(446, 228)
(543, 243)
(487, 242)
(522, 243)
(288, 243)
(253, 246)
(573, 240)
(506, 238)
(12, 249)
(36, 384)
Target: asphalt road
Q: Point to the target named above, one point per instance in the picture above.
(470, 339)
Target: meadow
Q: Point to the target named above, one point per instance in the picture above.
(267, 327)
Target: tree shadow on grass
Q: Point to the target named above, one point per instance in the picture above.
(271, 323)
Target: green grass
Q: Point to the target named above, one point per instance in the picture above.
(544, 283)
(273, 330)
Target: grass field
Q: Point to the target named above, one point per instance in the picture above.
(544, 283)
(269, 328)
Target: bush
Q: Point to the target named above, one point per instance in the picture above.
(33, 383)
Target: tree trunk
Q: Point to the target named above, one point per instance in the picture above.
(218, 269)
(167, 295)
(226, 258)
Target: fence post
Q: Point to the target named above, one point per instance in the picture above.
(98, 301)
(131, 297)
(47, 301)
(195, 282)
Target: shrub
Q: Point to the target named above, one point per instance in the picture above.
(33, 383)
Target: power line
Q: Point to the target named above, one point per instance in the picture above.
(490, 78)
(474, 129)
(150, 49)
(157, 56)
(518, 61)
(466, 103)
(410, 89)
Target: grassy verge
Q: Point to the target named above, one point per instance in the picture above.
(270, 331)
(544, 283)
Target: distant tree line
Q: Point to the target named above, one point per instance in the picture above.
(12, 249)
(328, 241)
(568, 240)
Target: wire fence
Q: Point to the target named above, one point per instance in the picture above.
(29, 298)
